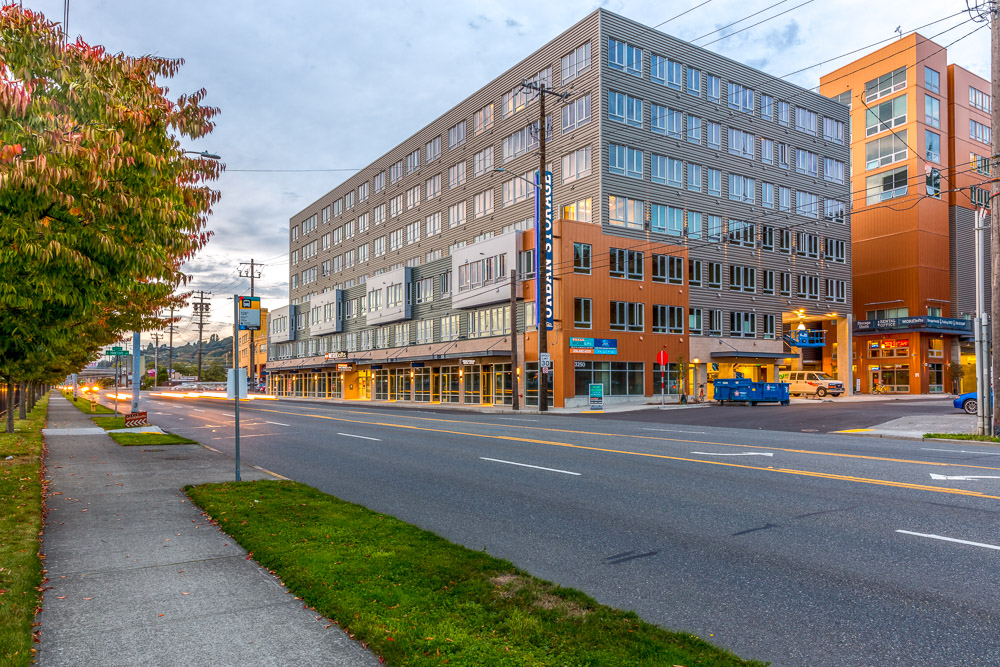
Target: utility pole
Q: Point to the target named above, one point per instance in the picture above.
(515, 399)
(251, 273)
(543, 195)
(156, 356)
(200, 311)
(994, 15)
(170, 350)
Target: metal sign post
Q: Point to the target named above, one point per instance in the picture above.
(662, 358)
(233, 375)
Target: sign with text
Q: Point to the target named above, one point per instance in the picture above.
(593, 345)
(345, 367)
(544, 222)
(336, 355)
(133, 419)
(468, 362)
(545, 360)
(249, 313)
(597, 396)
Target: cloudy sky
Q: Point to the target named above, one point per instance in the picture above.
(311, 91)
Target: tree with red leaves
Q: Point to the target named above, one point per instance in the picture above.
(99, 205)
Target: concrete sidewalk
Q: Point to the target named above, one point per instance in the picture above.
(138, 576)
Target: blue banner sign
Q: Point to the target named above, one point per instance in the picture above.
(593, 345)
(927, 322)
(544, 222)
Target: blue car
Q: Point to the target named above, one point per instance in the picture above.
(968, 402)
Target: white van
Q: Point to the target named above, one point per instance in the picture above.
(811, 382)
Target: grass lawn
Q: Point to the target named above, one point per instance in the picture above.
(132, 439)
(417, 599)
(83, 405)
(109, 423)
(963, 436)
(20, 524)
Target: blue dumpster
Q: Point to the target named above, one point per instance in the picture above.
(739, 389)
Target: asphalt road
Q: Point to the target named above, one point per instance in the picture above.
(798, 548)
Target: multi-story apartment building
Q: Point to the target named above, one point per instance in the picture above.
(701, 209)
(259, 339)
(920, 149)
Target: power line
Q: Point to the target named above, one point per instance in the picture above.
(708, 34)
(755, 24)
(685, 12)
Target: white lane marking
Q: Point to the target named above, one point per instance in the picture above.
(276, 423)
(525, 465)
(212, 449)
(734, 453)
(958, 451)
(671, 430)
(197, 410)
(964, 478)
(363, 437)
(951, 539)
(518, 419)
(244, 435)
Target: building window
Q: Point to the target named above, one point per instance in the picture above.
(783, 113)
(932, 143)
(713, 88)
(784, 198)
(456, 175)
(413, 197)
(887, 185)
(833, 130)
(833, 170)
(769, 322)
(785, 284)
(713, 133)
(619, 378)
(576, 114)
(741, 143)
(885, 84)
(576, 62)
(743, 279)
(805, 121)
(668, 319)
(578, 211)
(768, 285)
(482, 203)
(624, 57)
(663, 120)
(742, 325)
(626, 264)
(694, 321)
(932, 80)
(694, 272)
(807, 204)
(694, 130)
(766, 107)
(881, 152)
(741, 188)
(412, 162)
(624, 212)
(482, 162)
(581, 258)
(835, 251)
(933, 183)
(694, 82)
(666, 220)
(714, 227)
(668, 269)
(885, 116)
(482, 120)
(627, 316)
(624, 109)
(625, 161)
(932, 111)
(694, 225)
(767, 195)
(766, 151)
(836, 290)
(714, 182)
(979, 99)
(808, 288)
(715, 275)
(979, 132)
(740, 98)
(581, 313)
(456, 135)
(806, 162)
(742, 233)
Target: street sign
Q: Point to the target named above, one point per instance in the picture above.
(135, 419)
(545, 360)
(117, 352)
(597, 396)
(249, 313)
(662, 358)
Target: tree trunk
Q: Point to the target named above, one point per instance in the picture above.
(22, 400)
(10, 406)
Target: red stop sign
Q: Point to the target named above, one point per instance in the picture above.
(662, 358)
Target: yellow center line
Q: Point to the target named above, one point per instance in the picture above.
(651, 437)
(788, 471)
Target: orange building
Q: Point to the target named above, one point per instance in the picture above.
(259, 350)
(916, 122)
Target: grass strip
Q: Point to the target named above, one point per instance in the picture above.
(109, 423)
(963, 436)
(133, 439)
(83, 405)
(20, 525)
(417, 599)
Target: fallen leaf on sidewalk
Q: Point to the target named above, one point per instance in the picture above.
(60, 597)
(88, 598)
(183, 593)
(159, 615)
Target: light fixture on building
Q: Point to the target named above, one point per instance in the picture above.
(801, 327)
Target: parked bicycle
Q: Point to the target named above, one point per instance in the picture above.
(880, 389)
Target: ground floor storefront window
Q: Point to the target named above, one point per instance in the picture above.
(620, 378)
(935, 375)
(422, 382)
(666, 379)
(450, 384)
(894, 379)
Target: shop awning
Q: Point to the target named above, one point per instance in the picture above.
(737, 355)
(496, 346)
